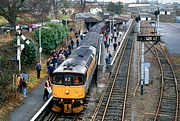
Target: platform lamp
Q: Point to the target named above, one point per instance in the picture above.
(40, 47)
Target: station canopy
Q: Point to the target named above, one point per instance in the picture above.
(119, 19)
(88, 17)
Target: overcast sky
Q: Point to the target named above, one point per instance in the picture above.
(130, 1)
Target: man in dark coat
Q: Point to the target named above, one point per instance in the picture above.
(115, 45)
(72, 43)
(38, 69)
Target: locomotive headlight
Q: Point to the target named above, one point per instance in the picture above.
(81, 101)
(72, 101)
(67, 92)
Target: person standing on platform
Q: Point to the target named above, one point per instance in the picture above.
(109, 55)
(19, 83)
(115, 46)
(107, 60)
(115, 36)
(24, 86)
(38, 69)
(49, 89)
(61, 58)
(106, 36)
(77, 41)
(46, 85)
(72, 43)
(81, 34)
(107, 47)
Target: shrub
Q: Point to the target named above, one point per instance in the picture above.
(51, 36)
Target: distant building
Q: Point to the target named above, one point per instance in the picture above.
(135, 8)
(95, 10)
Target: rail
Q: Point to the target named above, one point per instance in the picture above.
(41, 110)
(116, 90)
(164, 60)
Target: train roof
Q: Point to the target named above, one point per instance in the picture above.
(98, 27)
(79, 61)
(91, 39)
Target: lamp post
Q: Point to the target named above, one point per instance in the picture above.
(110, 23)
(113, 23)
(40, 48)
(67, 33)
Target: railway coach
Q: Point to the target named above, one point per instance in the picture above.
(71, 80)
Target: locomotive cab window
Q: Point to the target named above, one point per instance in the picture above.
(77, 80)
(67, 79)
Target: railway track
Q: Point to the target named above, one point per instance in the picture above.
(133, 82)
(167, 108)
(112, 104)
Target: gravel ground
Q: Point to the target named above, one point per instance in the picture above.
(143, 107)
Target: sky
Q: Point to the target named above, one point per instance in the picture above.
(130, 1)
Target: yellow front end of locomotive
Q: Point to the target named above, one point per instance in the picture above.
(68, 92)
(70, 98)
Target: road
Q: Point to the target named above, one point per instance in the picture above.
(171, 36)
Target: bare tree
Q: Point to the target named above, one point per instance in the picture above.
(41, 10)
(54, 4)
(9, 9)
(83, 4)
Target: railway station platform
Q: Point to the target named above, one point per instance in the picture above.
(103, 71)
(34, 100)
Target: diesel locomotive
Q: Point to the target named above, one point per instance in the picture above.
(71, 79)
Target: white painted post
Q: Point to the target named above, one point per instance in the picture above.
(139, 27)
(19, 50)
(142, 69)
(158, 24)
(113, 24)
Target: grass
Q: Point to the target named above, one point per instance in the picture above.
(33, 81)
(3, 20)
(176, 61)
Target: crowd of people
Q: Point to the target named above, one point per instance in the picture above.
(55, 60)
(110, 38)
(21, 84)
